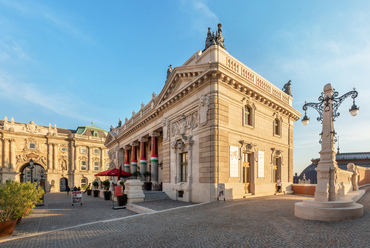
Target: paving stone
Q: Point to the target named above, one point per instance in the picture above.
(253, 222)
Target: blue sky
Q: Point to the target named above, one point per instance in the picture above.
(73, 62)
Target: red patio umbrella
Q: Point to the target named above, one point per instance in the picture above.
(115, 171)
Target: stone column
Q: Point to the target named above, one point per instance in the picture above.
(71, 159)
(134, 156)
(55, 160)
(143, 157)
(75, 158)
(101, 159)
(154, 157)
(6, 152)
(50, 156)
(12, 154)
(127, 159)
(327, 189)
(89, 165)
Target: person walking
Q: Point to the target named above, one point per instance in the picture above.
(278, 184)
(68, 189)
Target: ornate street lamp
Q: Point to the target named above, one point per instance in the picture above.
(327, 107)
(31, 167)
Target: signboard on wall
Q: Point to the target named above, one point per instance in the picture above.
(261, 164)
(234, 161)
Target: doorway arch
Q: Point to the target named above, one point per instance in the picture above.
(63, 184)
(38, 173)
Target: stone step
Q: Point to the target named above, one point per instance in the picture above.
(155, 195)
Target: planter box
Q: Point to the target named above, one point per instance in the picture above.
(89, 192)
(7, 228)
(122, 200)
(147, 185)
(96, 193)
(107, 195)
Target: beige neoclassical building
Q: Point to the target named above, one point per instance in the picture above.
(61, 156)
(216, 126)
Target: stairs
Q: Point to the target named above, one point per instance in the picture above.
(155, 195)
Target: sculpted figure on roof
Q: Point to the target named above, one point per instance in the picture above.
(213, 39)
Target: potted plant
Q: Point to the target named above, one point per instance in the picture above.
(16, 201)
(88, 189)
(147, 184)
(107, 193)
(136, 174)
(96, 191)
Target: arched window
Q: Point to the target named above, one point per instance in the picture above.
(96, 165)
(83, 183)
(277, 127)
(83, 165)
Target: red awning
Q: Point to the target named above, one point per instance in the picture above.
(113, 172)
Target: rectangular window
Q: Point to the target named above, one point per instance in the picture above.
(96, 166)
(107, 166)
(83, 149)
(247, 116)
(183, 166)
(83, 165)
(32, 146)
(96, 151)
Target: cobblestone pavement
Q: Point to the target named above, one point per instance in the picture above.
(254, 222)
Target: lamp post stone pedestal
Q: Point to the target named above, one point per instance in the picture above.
(330, 204)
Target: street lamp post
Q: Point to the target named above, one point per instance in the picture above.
(327, 107)
(31, 167)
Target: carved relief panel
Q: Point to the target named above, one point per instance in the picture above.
(185, 125)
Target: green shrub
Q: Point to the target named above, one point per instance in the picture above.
(106, 183)
(96, 183)
(17, 199)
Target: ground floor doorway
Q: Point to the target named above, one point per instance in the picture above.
(63, 184)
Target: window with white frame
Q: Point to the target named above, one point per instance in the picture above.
(83, 182)
(83, 165)
(96, 165)
(183, 166)
(83, 149)
(96, 151)
(32, 146)
(95, 134)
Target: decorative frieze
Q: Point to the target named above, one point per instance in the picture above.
(185, 125)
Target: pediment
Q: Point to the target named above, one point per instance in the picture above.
(178, 81)
(110, 137)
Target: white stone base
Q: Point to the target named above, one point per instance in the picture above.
(329, 211)
(134, 191)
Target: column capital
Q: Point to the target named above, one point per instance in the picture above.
(134, 143)
(6, 139)
(154, 134)
(143, 139)
(127, 147)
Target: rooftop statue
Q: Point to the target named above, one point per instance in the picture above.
(169, 70)
(213, 39)
(287, 89)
